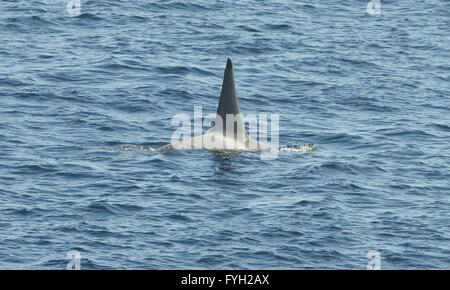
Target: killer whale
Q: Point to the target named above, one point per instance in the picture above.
(228, 133)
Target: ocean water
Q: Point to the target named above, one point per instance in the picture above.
(81, 94)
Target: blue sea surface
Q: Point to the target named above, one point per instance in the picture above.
(81, 94)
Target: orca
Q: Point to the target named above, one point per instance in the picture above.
(228, 133)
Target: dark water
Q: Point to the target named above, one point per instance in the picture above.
(371, 91)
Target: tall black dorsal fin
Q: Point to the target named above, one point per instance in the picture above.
(228, 103)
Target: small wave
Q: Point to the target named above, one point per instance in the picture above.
(33, 20)
(25, 211)
(12, 27)
(179, 217)
(100, 207)
(248, 28)
(442, 127)
(183, 70)
(341, 137)
(178, 70)
(89, 16)
(402, 133)
(305, 202)
(234, 212)
(137, 18)
(34, 168)
(11, 82)
(105, 128)
(211, 260)
(338, 166)
(114, 67)
(278, 26)
(358, 62)
(307, 7)
(186, 6)
(128, 207)
(252, 48)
